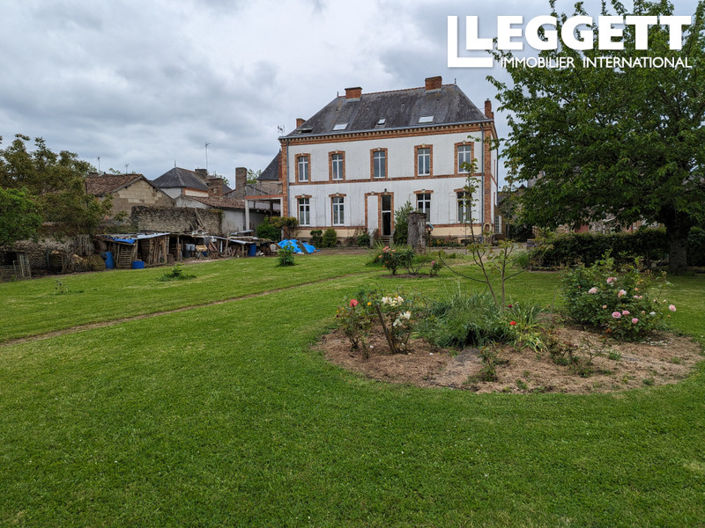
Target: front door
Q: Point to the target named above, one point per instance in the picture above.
(387, 213)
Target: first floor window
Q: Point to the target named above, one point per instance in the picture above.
(423, 161)
(423, 204)
(463, 207)
(464, 158)
(379, 163)
(338, 210)
(303, 166)
(336, 165)
(304, 211)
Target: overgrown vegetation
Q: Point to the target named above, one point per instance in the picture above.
(401, 223)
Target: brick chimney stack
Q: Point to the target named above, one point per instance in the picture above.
(215, 186)
(240, 182)
(434, 83)
(202, 173)
(489, 114)
(353, 93)
(300, 121)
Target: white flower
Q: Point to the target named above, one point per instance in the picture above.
(652, 313)
(406, 315)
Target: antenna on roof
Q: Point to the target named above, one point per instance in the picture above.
(126, 165)
(207, 157)
(98, 164)
(174, 163)
(455, 80)
(280, 128)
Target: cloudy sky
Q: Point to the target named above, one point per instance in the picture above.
(146, 83)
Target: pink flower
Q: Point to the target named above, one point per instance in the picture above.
(353, 303)
(625, 312)
(635, 320)
(592, 290)
(638, 297)
(616, 315)
(610, 280)
(604, 306)
(622, 293)
(672, 307)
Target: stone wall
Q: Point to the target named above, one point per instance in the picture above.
(139, 193)
(176, 219)
(40, 252)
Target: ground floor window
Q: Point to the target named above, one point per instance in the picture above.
(304, 211)
(463, 207)
(423, 204)
(338, 210)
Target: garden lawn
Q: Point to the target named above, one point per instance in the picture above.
(38, 306)
(224, 416)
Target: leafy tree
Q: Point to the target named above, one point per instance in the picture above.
(55, 182)
(253, 176)
(625, 143)
(401, 223)
(19, 216)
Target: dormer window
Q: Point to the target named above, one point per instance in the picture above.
(340, 126)
(426, 119)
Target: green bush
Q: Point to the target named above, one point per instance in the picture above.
(363, 239)
(286, 256)
(176, 273)
(620, 300)
(268, 230)
(401, 223)
(330, 238)
(651, 245)
(317, 237)
(394, 258)
(460, 319)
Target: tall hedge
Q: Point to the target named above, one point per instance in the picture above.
(650, 244)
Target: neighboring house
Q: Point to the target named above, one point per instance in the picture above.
(183, 182)
(126, 191)
(364, 155)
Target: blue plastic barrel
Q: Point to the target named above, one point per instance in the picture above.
(109, 261)
(137, 264)
(253, 250)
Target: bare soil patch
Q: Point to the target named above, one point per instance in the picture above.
(666, 358)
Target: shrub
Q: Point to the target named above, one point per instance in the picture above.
(435, 268)
(286, 256)
(317, 237)
(394, 258)
(620, 300)
(330, 238)
(363, 239)
(356, 317)
(401, 223)
(268, 230)
(460, 319)
(651, 245)
(176, 273)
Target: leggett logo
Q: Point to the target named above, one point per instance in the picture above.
(576, 32)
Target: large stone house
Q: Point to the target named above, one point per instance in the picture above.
(126, 191)
(363, 155)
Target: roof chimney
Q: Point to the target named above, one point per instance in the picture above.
(434, 83)
(201, 173)
(488, 109)
(353, 93)
(215, 186)
(240, 182)
(299, 121)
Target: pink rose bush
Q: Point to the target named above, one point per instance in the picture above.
(604, 297)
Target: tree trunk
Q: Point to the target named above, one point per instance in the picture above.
(677, 235)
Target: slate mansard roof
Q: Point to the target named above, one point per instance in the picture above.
(271, 173)
(178, 177)
(399, 109)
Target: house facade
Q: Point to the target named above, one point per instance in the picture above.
(126, 191)
(363, 156)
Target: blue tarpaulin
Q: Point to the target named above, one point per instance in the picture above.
(297, 246)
